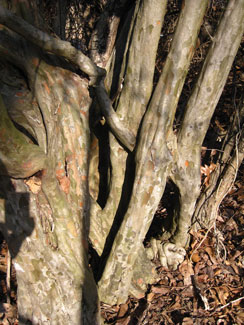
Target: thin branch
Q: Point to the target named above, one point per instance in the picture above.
(122, 133)
(50, 44)
(229, 303)
(213, 76)
(8, 276)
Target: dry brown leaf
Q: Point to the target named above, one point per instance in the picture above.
(217, 271)
(223, 294)
(202, 278)
(176, 305)
(161, 290)
(206, 171)
(237, 253)
(239, 192)
(213, 295)
(236, 268)
(211, 254)
(168, 319)
(195, 257)
(34, 184)
(240, 317)
(150, 296)
(187, 271)
(198, 267)
(187, 321)
(123, 321)
(123, 308)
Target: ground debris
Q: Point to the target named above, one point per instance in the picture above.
(207, 288)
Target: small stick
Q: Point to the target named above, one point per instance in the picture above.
(8, 276)
(231, 302)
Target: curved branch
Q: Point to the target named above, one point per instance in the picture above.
(50, 44)
(2, 210)
(121, 132)
(18, 158)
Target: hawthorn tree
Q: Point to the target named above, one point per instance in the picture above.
(87, 145)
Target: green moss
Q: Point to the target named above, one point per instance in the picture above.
(37, 274)
(129, 70)
(151, 27)
(131, 234)
(139, 35)
(188, 42)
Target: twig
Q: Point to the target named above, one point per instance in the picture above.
(8, 276)
(118, 128)
(50, 44)
(200, 293)
(200, 244)
(229, 303)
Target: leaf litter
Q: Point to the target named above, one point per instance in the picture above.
(207, 288)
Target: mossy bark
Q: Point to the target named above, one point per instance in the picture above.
(45, 214)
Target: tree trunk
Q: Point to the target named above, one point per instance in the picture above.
(49, 250)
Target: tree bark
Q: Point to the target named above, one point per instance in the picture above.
(153, 159)
(55, 283)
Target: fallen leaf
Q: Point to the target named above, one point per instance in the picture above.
(223, 294)
(176, 305)
(211, 254)
(240, 317)
(187, 321)
(187, 271)
(150, 296)
(195, 257)
(161, 290)
(34, 184)
(123, 308)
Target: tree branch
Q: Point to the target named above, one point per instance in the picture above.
(2, 210)
(121, 132)
(140, 31)
(212, 78)
(50, 44)
(65, 49)
(153, 159)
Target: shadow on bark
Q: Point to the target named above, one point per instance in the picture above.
(165, 220)
(24, 321)
(122, 208)
(16, 224)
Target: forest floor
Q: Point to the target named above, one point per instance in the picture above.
(208, 287)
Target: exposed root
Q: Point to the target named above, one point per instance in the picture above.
(169, 254)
